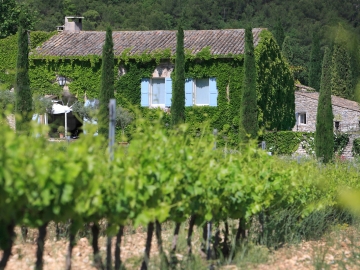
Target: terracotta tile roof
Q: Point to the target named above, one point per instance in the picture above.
(221, 42)
(336, 101)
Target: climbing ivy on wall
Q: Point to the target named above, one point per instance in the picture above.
(8, 55)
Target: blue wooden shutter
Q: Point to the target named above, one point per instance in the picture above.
(213, 92)
(168, 91)
(188, 92)
(145, 92)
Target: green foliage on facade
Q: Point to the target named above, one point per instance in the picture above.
(248, 106)
(341, 79)
(315, 63)
(23, 95)
(324, 142)
(107, 83)
(8, 55)
(178, 90)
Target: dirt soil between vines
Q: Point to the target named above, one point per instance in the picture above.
(336, 250)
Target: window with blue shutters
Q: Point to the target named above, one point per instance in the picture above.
(201, 92)
(156, 92)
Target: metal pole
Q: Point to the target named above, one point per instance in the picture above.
(208, 247)
(112, 120)
(65, 124)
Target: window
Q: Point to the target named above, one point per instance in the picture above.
(156, 92)
(301, 118)
(201, 92)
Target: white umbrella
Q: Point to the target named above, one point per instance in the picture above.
(58, 109)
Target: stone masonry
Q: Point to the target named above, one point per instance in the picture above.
(346, 114)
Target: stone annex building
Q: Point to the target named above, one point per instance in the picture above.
(346, 114)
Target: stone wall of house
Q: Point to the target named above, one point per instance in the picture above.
(347, 153)
(306, 105)
(348, 119)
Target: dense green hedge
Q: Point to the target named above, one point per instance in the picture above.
(287, 142)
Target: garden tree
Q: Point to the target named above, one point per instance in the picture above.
(279, 33)
(292, 53)
(178, 90)
(286, 49)
(8, 18)
(23, 96)
(107, 83)
(324, 138)
(315, 63)
(341, 76)
(248, 105)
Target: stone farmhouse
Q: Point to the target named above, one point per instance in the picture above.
(144, 64)
(346, 112)
(346, 115)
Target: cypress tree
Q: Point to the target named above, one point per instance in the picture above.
(248, 106)
(23, 96)
(315, 63)
(324, 138)
(279, 33)
(286, 50)
(107, 83)
(341, 76)
(178, 91)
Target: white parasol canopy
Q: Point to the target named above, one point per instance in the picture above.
(58, 108)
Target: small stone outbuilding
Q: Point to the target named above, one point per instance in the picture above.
(346, 116)
(346, 112)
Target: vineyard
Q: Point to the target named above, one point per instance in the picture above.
(163, 175)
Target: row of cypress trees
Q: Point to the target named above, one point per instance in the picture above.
(342, 78)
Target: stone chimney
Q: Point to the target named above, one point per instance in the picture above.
(73, 24)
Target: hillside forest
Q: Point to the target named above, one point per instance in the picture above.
(298, 25)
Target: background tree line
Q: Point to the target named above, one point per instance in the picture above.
(292, 22)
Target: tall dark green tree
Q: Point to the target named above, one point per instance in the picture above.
(23, 96)
(315, 63)
(107, 83)
(279, 33)
(286, 50)
(178, 90)
(324, 138)
(341, 76)
(248, 105)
